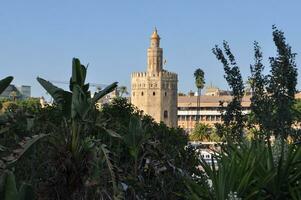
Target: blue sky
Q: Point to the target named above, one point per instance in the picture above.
(40, 38)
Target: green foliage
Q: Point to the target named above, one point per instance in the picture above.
(12, 156)
(199, 82)
(253, 171)
(201, 132)
(199, 78)
(282, 85)
(8, 188)
(260, 100)
(74, 149)
(78, 102)
(152, 158)
(122, 90)
(204, 132)
(232, 117)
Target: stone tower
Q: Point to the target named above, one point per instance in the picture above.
(155, 91)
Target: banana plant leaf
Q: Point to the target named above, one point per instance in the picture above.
(80, 105)
(60, 96)
(103, 92)
(4, 83)
(25, 146)
(10, 191)
(79, 73)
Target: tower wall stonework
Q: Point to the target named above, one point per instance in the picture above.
(155, 91)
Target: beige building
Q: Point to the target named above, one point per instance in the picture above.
(155, 91)
(209, 111)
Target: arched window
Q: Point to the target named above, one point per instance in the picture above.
(142, 93)
(133, 94)
(165, 114)
(154, 93)
(165, 93)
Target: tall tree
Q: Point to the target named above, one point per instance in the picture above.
(232, 117)
(260, 101)
(199, 83)
(282, 85)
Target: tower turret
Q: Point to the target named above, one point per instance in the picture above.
(154, 54)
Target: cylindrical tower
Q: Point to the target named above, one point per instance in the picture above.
(154, 54)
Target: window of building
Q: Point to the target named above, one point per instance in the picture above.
(165, 93)
(142, 93)
(133, 94)
(154, 93)
(165, 114)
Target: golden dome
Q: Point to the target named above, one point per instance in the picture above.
(155, 34)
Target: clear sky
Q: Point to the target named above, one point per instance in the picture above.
(40, 38)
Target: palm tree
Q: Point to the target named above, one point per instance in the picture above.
(122, 90)
(201, 132)
(199, 83)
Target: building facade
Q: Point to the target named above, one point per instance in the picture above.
(208, 112)
(155, 91)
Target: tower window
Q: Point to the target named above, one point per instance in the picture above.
(142, 93)
(165, 114)
(154, 93)
(165, 93)
(133, 94)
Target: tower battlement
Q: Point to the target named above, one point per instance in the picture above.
(139, 74)
(170, 75)
(164, 74)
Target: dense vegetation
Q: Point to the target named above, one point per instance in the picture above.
(72, 150)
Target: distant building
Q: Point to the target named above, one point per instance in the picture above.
(215, 91)
(14, 92)
(209, 111)
(25, 91)
(155, 91)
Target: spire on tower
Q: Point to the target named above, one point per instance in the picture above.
(154, 54)
(155, 34)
